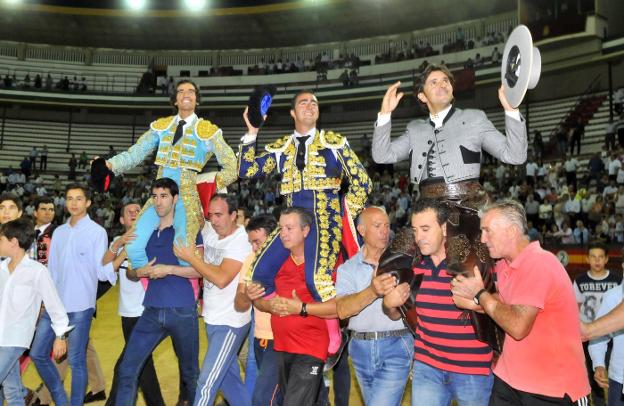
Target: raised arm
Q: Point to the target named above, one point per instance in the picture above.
(250, 164)
(385, 151)
(512, 148)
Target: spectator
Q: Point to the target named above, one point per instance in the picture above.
(49, 82)
(83, 160)
(26, 167)
(538, 146)
(581, 233)
(531, 171)
(564, 235)
(531, 207)
(72, 164)
(614, 165)
(578, 131)
(595, 166)
(34, 153)
(572, 207)
(8, 82)
(562, 140)
(590, 288)
(43, 163)
(496, 55)
(610, 132)
(571, 166)
(353, 78)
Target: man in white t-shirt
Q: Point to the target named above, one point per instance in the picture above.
(531, 171)
(614, 165)
(131, 294)
(225, 248)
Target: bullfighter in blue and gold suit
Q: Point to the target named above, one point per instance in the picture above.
(313, 165)
(185, 143)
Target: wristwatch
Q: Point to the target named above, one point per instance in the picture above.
(478, 295)
(65, 334)
(304, 310)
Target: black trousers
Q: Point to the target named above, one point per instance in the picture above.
(148, 380)
(300, 378)
(505, 395)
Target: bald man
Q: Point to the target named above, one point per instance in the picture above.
(359, 298)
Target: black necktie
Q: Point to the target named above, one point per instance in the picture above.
(178, 133)
(301, 151)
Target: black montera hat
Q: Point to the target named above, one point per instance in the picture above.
(101, 176)
(259, 103)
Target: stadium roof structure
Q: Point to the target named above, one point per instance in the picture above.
(228, 24)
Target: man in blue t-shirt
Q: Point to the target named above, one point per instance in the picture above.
(170, 304)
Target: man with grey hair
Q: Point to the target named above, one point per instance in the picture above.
(542, 360)
(359, 299)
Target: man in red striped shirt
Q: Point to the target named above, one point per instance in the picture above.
(449, 362)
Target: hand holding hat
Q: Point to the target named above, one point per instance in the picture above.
(258, 106)
(521, 66)
(101, 175)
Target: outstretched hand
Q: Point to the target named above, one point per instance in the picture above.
(391, 99)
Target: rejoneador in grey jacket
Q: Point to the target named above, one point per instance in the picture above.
(447, 145)
(458, 143)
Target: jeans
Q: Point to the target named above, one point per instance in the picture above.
(148, 380)
(266, 392)
(76, 356)
(433, 386)
(615, 394)
(154, 325)
(220, 368)
(10, 375)
(383, 363)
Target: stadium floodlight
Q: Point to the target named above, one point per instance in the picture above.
(12, 2)
(195, 5)
(136, 4)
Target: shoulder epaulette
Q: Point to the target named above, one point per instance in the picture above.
(332, 140)
(162, 123)
(279, 145)
(205, 129)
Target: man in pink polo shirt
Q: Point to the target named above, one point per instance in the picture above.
(542, 362)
